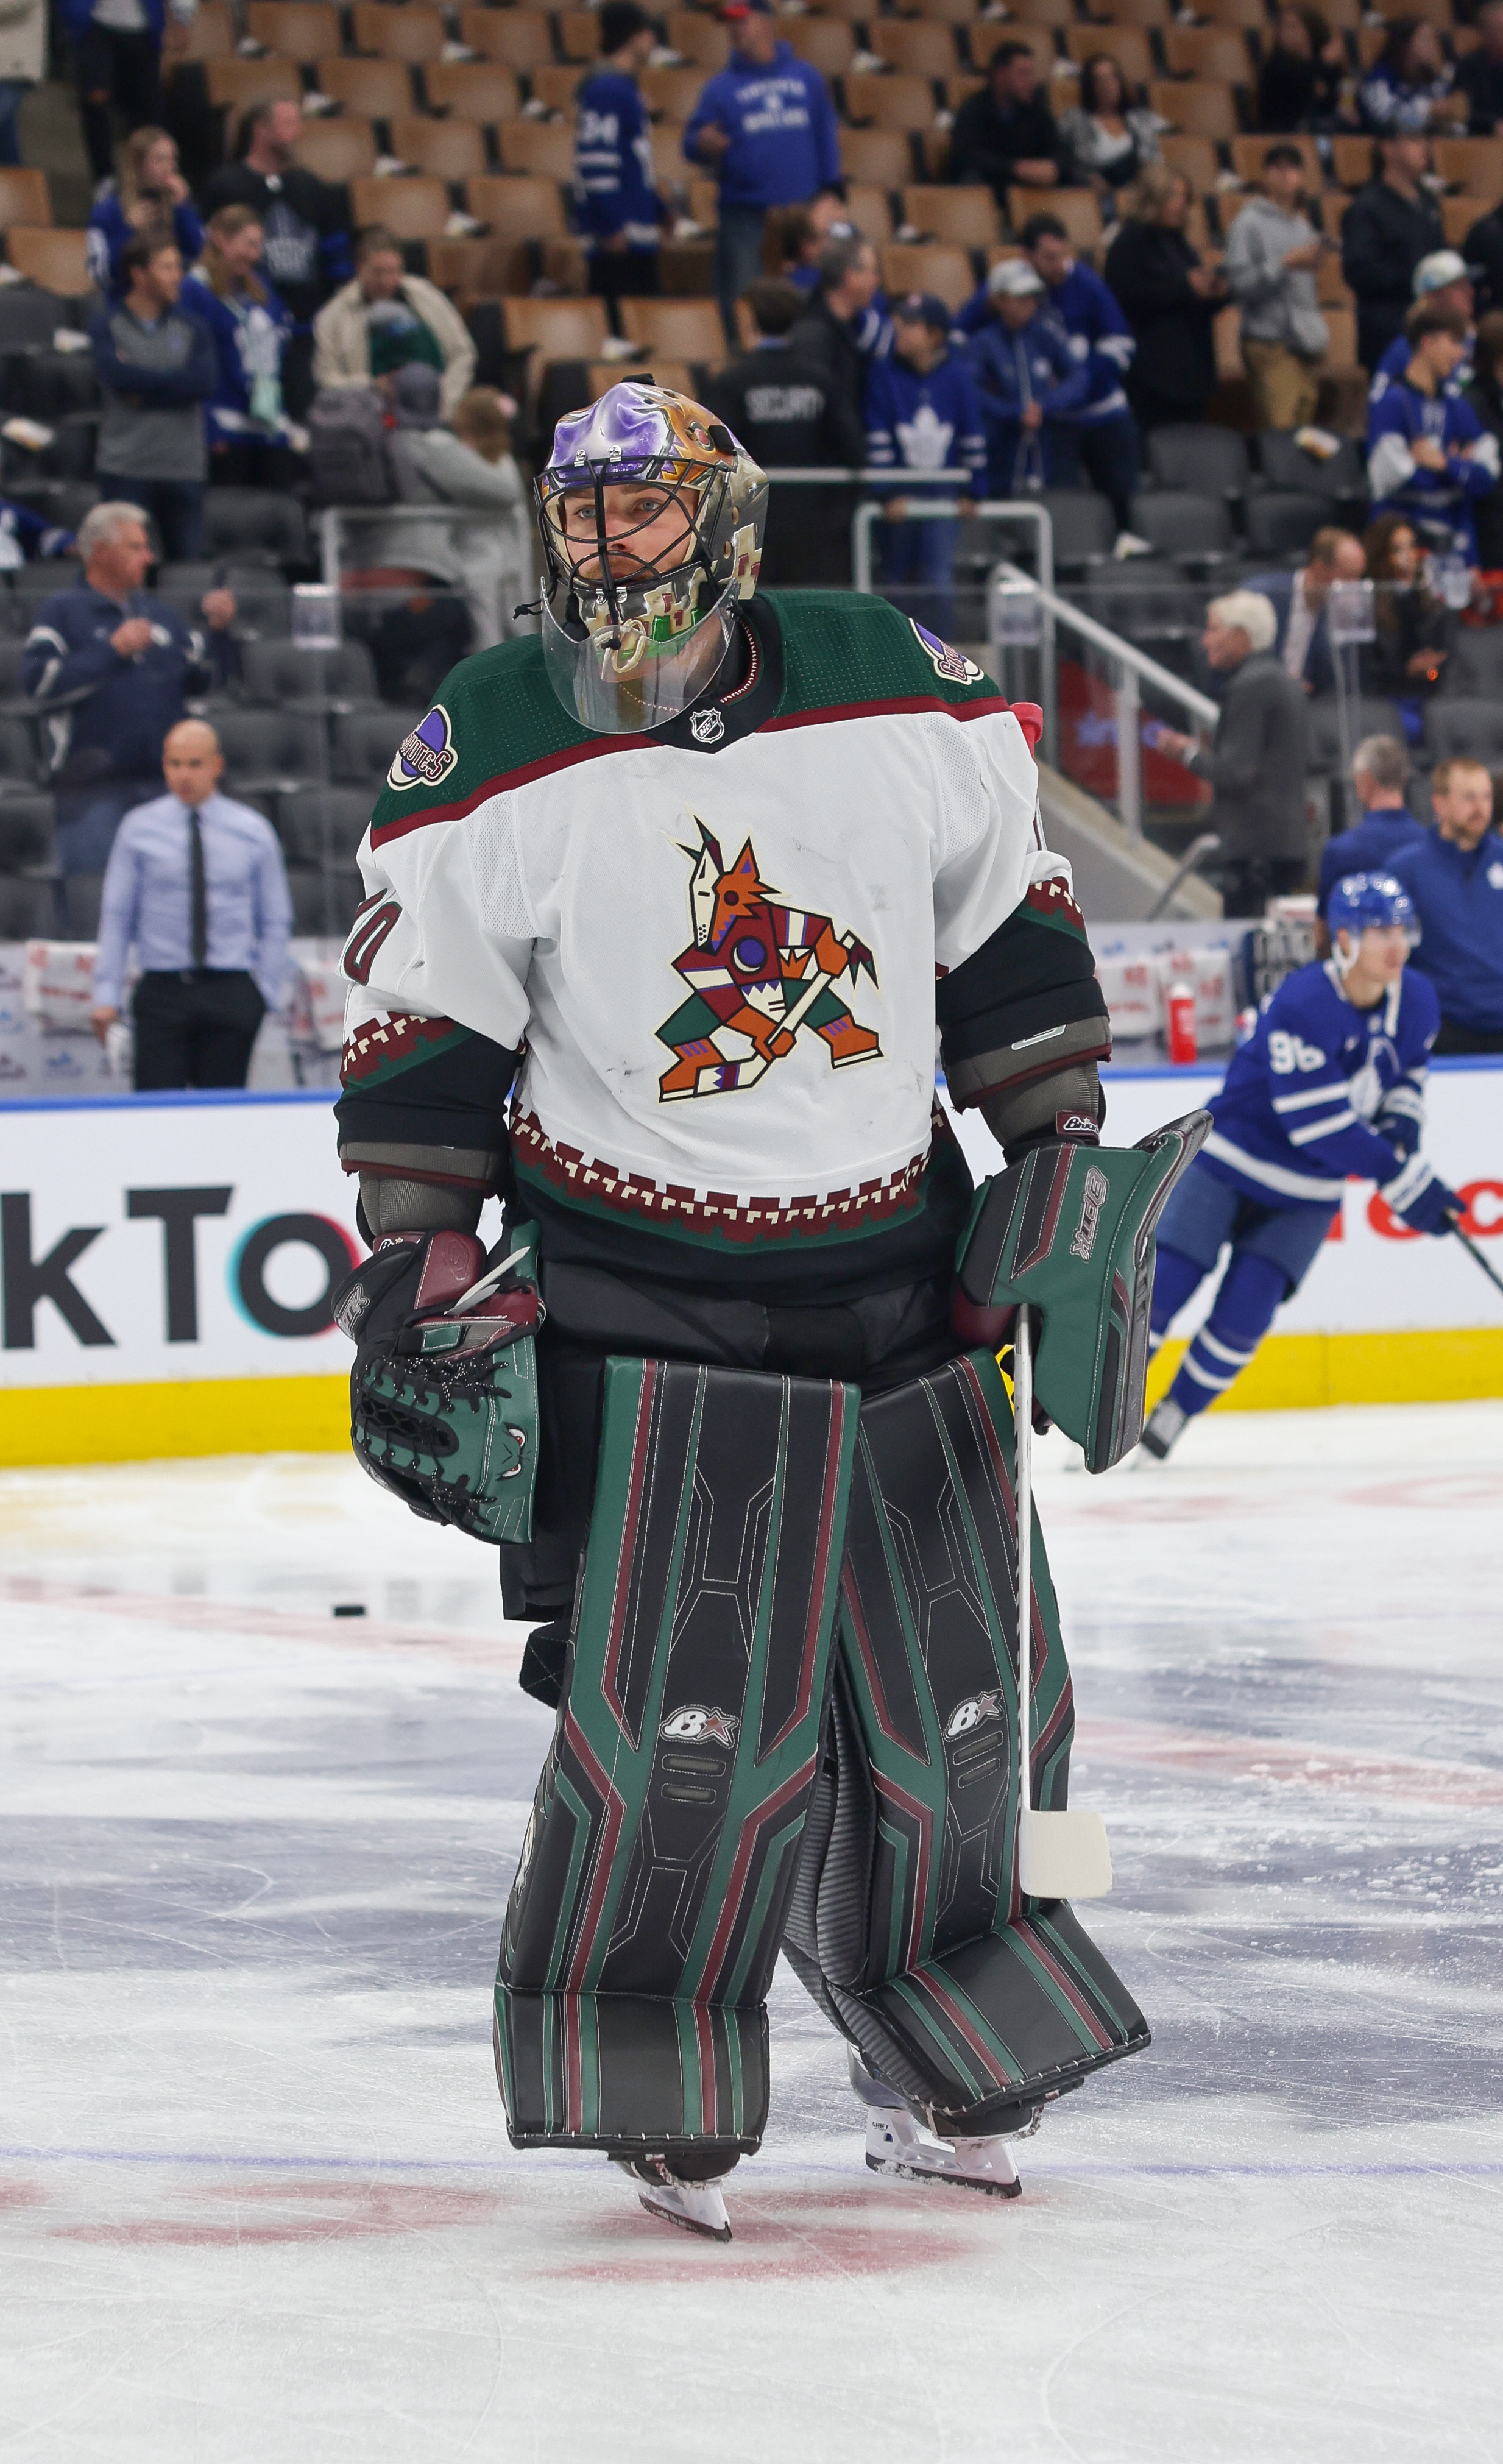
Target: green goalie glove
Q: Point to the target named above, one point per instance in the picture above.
(1069, 1230)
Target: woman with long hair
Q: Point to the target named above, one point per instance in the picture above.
(1169, 299)
(1414, 631)
(1299, 85)
(1110, 137)
(249, 437)
(1407, 90)
(150, 195)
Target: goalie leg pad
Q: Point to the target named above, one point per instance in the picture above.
(650, 1898)
(907, 1922)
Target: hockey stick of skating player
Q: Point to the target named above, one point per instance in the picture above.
(1060, 1856)
(1473, 1250)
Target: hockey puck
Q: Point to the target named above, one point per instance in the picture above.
(349, 1608)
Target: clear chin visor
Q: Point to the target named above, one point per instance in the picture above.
(626, 668)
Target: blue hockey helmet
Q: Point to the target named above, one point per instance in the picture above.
(1366, 900)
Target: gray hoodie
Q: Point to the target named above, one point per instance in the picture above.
(1278, 304)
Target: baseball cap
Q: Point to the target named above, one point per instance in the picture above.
(415, 395)
(923, 308)
(1012, 278)
(1433, 273)
(737, 9)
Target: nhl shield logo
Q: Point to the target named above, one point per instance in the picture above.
(427, 756)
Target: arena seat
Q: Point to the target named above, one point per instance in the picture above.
(25, 197)
(989, 37)
(1127, 45)
(364, 742)
(887, 101)
(882, 157)
(338, 150)
(54, 260)
(1466, 723)
(957, 217)
(824, 43)
(263, 599)
(1475, 665)
(408, 32)
(704, 40)
(299, 30)
(451, 150)
(28, 908)
(271, 745)
(26, 830)
(915, 47)
(1206, 51)
(519, 37)
(1207, 460)
(556, 329)
(18, 753)
(1282, 521)
(238, 85)
(1197, 108)
(869, 210)
(1195, 156)
(29, 317)
(1340, 479)
(671, 93)
(1180, 524)
(533, 146)
(555, 85)
(1369, 716)
(257, 524)
(374, 88)
(1250, 153)
(1242, 16)
(79, 894)
(413, 209)
(1078, 209)
(682, 329)
(1085, 526)
(516, 205)
(483, 91)
(1147, 13)
(300, 822)
(275, 672)
(480, 266)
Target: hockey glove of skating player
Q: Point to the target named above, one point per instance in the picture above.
(1069, 1230)
(444, 1398)
(1421, 1201)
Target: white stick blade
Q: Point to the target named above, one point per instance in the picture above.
(1063, 1856)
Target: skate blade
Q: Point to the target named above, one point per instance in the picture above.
(942, 2181)
(686, 2224)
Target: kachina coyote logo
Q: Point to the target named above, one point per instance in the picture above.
(759, 973)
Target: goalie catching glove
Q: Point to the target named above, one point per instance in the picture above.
(1069, 1230)
(444, 1390)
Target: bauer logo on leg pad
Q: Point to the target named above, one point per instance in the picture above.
(971, 1714)
(700, 1724)
(427, 756)
(1098, 1190)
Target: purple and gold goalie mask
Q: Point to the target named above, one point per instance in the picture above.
(652, 518)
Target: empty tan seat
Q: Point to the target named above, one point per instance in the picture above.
(25, 198)
(375, 89)
(946, 271)
(1213, 52)
(338, 150)
(962, 218)
(54, 260)
(1126, 45)
(518, 206)
(890, 101)
(1200, 110)
(408, 208)
(556, 329)
(702, 39)
(518, 36)
(482, 91)
(671, 93)
(827, 43)
(917, 47)
(406, 32)
(301, 29)
(240, 84)
(535, 146)
(450, 150)
(881, 157)
(688, 329)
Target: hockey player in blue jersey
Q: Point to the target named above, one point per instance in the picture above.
(1330, 1086)
(1427, 452)
(616, 199)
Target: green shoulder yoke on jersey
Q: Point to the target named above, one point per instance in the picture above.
(847, 653)
(1069, 1230)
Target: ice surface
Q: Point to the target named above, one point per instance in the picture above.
(255, 2197)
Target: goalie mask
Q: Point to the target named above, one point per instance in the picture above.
(651, 516)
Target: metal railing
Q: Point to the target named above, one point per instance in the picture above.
(1129, 670)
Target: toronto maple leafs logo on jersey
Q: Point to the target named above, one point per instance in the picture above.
(760, 974)
(947, 662)
(427, 756)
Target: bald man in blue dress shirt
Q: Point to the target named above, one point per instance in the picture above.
(197, 883)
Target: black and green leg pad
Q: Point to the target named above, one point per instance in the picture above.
(651, 1896)
(1069, 1230)
(907, 1922)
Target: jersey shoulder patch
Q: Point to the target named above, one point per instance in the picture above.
(494, 716)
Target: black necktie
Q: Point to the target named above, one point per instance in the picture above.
(200, 888)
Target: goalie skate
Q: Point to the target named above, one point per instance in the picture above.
(898, 2145)
(698, 2205)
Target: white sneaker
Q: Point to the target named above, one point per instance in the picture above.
(698, 2205)
(898, 2143)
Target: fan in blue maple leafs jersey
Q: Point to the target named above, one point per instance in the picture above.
(1329, 1087)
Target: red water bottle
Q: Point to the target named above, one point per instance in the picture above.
(1182, 1047)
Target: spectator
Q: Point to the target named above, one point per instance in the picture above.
(923, 418)
(1169, 299)
(1408, 87)
(1302, 643)
(797, 234)
(777, 398)
(116, 58)
(843, 331)
(1101, 435)
(385, 319)
(1483, 252)
(1414, 631)
(767, 127)
(1028, 381)
(1485, 397)
(1379, 775)
(468, 463)
(1443, 279)
(1299, 85)
(1108, 138)
(1258, 762)
(1427, 452)
(23, 64)
(250, 441)
(151, 195)
(27, 535)
(307, 226)
(1006, 137)
(1271, 256)
(197, 883)
(157, 368)
(1454, 876)
(1480, 75)
(1390, 224)
(616, 204)
(418, 636)
(109, 668)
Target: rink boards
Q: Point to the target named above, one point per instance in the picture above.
(168, 1262)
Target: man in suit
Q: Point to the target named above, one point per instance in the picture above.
(1302, 643)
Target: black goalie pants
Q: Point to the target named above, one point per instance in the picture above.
(784, 1542)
